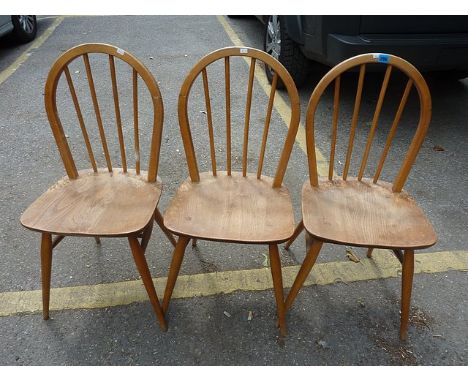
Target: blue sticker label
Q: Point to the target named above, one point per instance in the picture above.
(383, 58)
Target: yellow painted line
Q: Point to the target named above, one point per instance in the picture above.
(5, 74)
(382, 265)
(280, 104)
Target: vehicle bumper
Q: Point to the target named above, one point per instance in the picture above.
(426, 52)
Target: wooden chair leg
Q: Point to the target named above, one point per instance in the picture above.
(145, 274)
(46, 266)
(406, 287)
(194, 242)
(174, 269)
(98, 240)
(304, 271)
(159, 219)
(146, 236)
(309, 240)
(296, 233)
(369, 252)
(275, 265)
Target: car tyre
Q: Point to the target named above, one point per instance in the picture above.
(278, 44)
(24, 28)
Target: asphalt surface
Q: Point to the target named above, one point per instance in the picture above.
(337, 324)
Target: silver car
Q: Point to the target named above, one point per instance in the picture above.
(24, 28)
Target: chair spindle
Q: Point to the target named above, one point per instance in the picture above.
(247, 116)
(97, 111)
(393, 128)
(117, 112)
(336, 107)
(227, 78)
(375, 121)
(80, 118)
(135, 122)
(210, 120)
(267, 124)
(357, 105)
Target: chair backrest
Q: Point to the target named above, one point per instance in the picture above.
(61, 66)
(280, 74)
(415, 79)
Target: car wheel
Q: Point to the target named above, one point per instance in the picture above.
(278, 44)
(24, 28)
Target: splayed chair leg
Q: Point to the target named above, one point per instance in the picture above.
(46, 266)
(275, 264)
(304, 271)
(174, 269)
(296, 233)
(406, 288)
(146, 236)
(159, 219)
(142, 266)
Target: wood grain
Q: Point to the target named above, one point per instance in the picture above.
(231, 208)
(363, 213)
(95, 204)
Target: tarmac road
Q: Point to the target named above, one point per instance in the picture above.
(354, 322)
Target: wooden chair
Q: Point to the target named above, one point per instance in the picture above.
(230, 206)
(359, 211)
(100, 202)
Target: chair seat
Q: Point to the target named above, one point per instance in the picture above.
(362, 213)
(95, 204)
(231, 208)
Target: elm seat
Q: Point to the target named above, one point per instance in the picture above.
(93, 203)
(361, 213)
(231, 208)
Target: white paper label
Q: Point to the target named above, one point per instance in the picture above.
(120, 51)
(244, 50)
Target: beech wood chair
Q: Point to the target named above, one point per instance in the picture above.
(101, 202)
(360, 211)
(231, 206)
